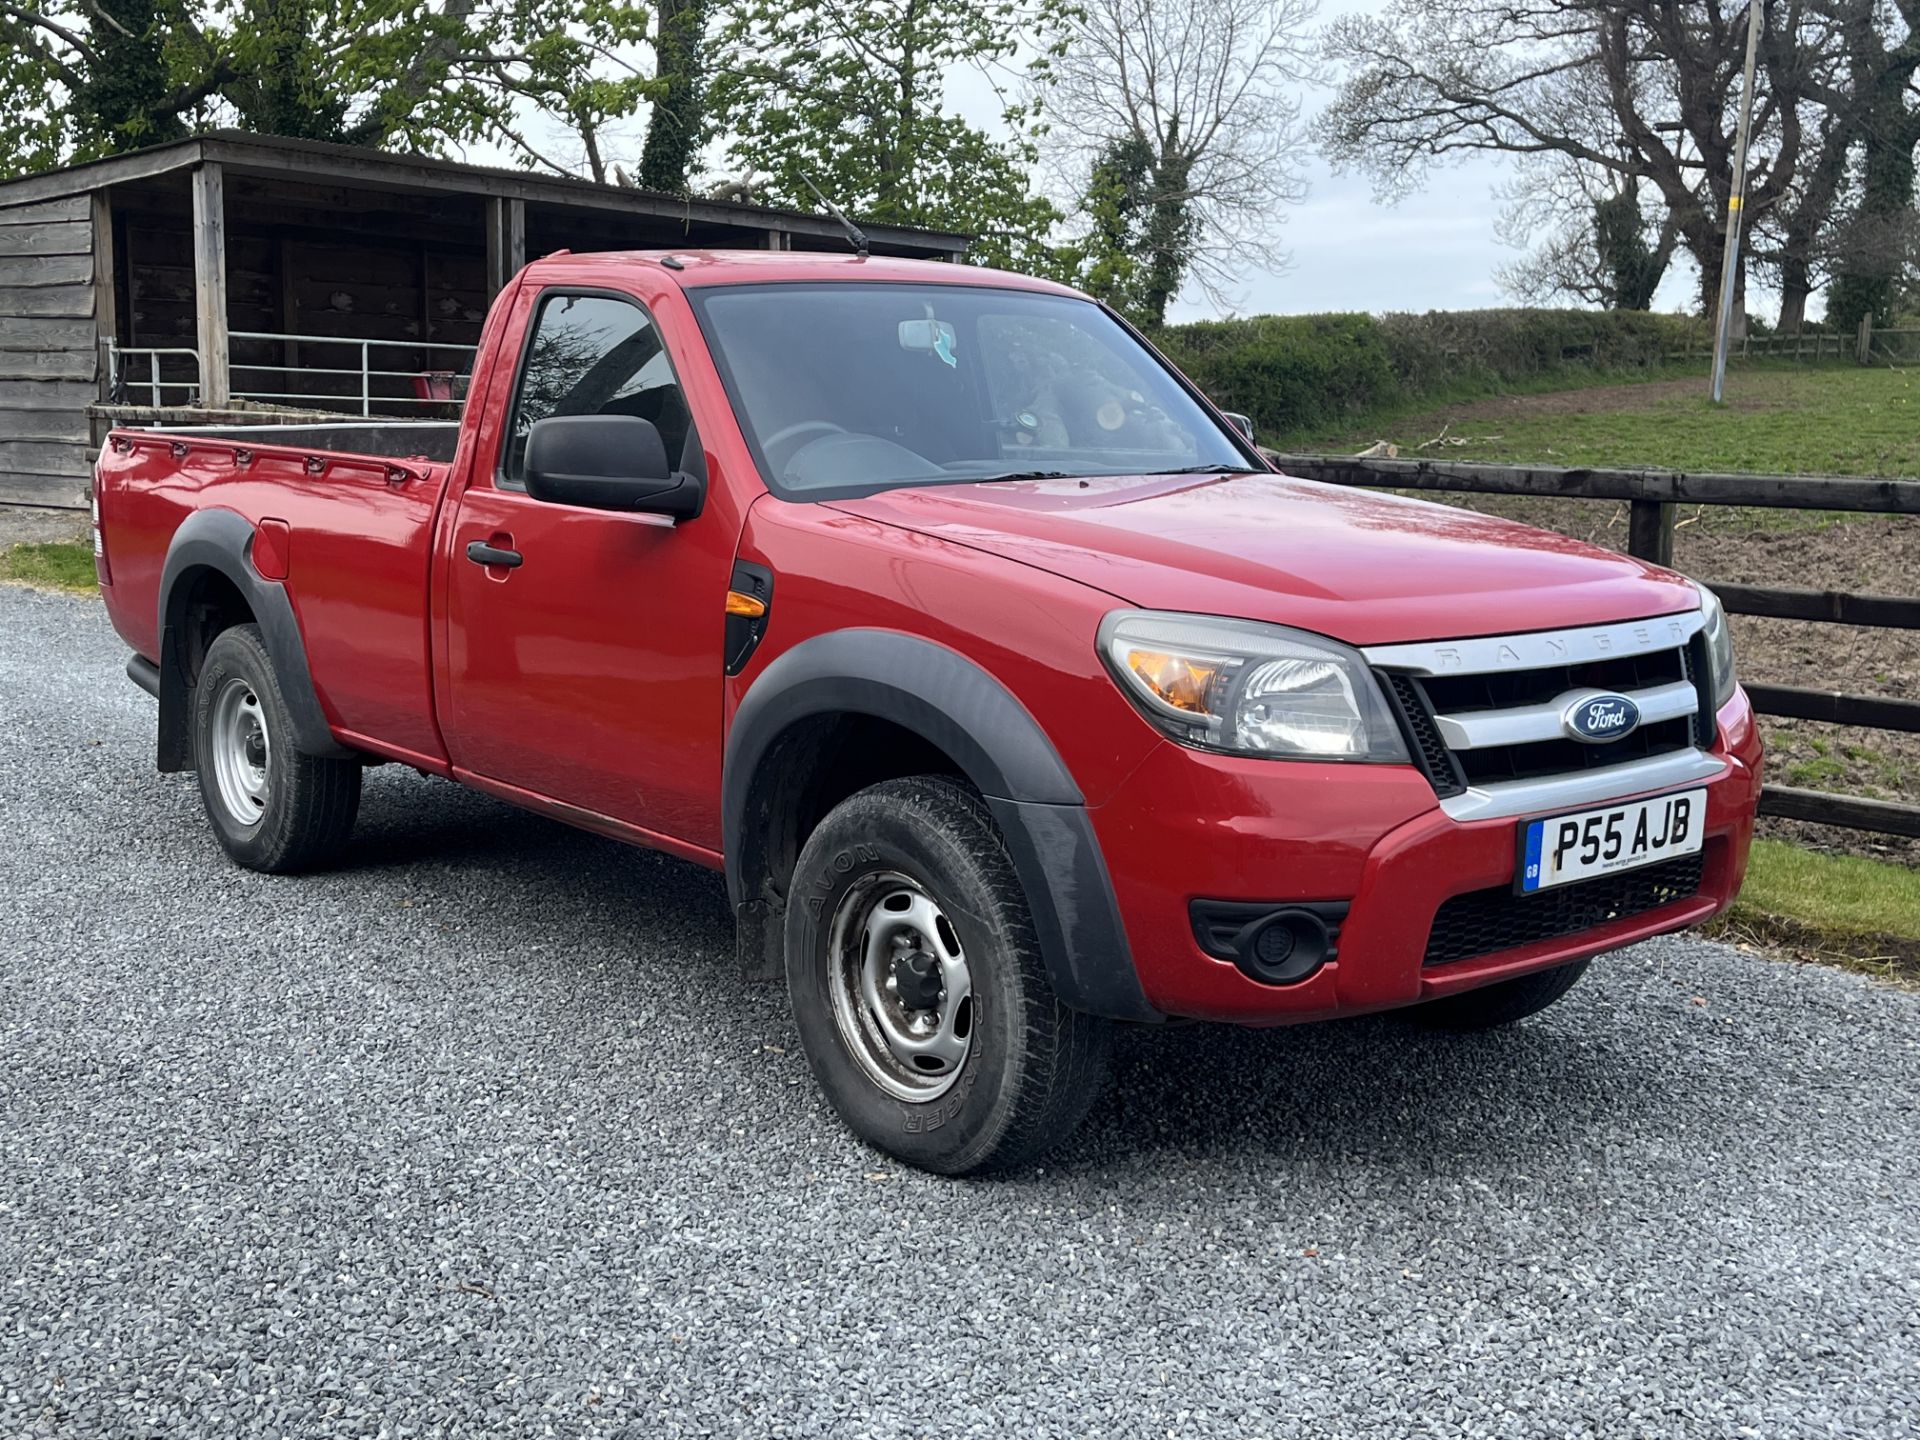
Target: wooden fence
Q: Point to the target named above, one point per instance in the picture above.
(1652, 496)
(1899, 345)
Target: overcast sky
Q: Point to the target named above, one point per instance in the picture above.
(1434, 250)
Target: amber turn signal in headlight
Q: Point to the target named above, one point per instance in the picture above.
(1179, 680)
(1250, 689)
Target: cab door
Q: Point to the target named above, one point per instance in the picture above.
(583, 648)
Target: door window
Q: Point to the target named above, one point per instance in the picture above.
(594, 355)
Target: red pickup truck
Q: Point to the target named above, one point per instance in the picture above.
(1014, 692)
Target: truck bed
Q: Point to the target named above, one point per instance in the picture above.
(357, 546)
(387, 439)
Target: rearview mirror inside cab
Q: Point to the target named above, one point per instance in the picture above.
(924, 336)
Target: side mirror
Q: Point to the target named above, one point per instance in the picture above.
(608, 462)
(1242, 423)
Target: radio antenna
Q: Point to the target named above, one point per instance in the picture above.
(855, 235)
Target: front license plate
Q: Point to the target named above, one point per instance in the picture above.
(1564, 848)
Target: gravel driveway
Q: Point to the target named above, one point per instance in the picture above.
(483, 1135)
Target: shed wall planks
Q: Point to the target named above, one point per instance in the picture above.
(47, 365)
(52, 301)
(71, 207)
(63, 238)
(45, 457)
(46, 333)
(73, 395)
(60, 427)
(49, 357)
(41, 272)
(63, 492)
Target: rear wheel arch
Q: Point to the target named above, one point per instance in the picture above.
(208, 585)
(851, 708)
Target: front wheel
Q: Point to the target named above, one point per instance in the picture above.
(1502, 1003)
(918, 988)
(273, 808)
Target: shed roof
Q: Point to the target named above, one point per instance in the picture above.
(278, 156)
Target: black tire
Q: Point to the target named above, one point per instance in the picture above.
(304, 812)
(1032, 1068)
(1503, 1003)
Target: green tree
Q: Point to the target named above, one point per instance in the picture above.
(853, 99)
(1114, 207)
(1876, 239)
(674, 128)
(1628, 262)
(480, 69)
(88, 77)
(280, 80)
(126, 98)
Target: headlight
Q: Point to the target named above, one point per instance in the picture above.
(1719, 646)
(1250, 689)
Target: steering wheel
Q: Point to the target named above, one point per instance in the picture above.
(794, 432)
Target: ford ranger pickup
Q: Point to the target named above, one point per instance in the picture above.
(1015, 694)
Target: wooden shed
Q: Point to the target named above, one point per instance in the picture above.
(238, 278)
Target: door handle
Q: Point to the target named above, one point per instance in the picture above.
(481, 553)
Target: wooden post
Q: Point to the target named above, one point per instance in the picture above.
(1863, 342)
(427, 362)
(289, 316)
(1650, 530)
(106, 309)
(210, 284)
(506, 241)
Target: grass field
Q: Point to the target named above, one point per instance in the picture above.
(50, 565)
(1831, 906)
(1803, 419)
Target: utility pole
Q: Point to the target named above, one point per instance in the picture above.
(1736, 202)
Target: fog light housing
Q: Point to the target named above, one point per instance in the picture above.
(1274, 943)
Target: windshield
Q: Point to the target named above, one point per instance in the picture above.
(845, 389)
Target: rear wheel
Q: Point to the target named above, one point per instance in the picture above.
(1499, 1004)
(918, 989)
(273, 808)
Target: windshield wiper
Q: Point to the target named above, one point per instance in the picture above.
(1208, 470)
(1022, 475)
(1009, 476)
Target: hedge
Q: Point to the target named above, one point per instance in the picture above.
(1297, 372)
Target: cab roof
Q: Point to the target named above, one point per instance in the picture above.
(701, 268)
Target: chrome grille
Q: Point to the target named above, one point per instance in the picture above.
(1483, 716)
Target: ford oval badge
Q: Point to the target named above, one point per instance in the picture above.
(1596, 718)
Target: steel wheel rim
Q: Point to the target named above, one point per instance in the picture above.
(241, 749)
(888, 946)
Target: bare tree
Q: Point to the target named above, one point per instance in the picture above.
(1629, 91)
(1177, 125)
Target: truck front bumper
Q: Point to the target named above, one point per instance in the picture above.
(1190, 826)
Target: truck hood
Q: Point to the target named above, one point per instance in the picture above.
(1359, 565)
